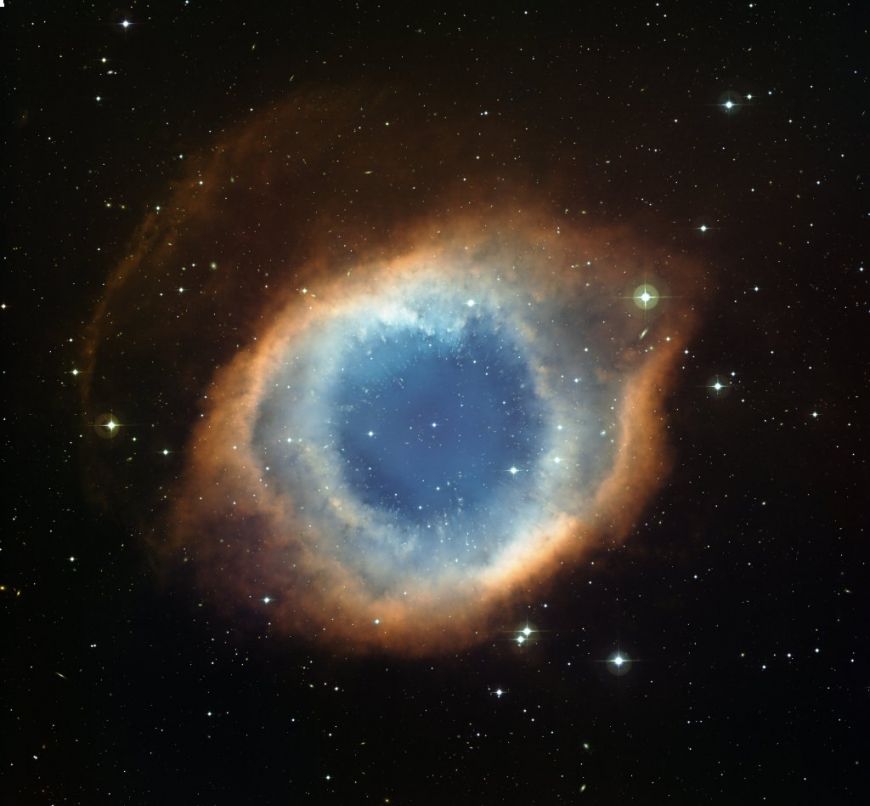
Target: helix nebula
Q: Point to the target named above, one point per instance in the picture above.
(407, 377)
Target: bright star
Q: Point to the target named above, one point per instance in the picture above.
(523, 635)
(646, 296)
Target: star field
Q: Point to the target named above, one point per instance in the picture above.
(425, 405)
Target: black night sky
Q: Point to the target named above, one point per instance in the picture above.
(731, 134)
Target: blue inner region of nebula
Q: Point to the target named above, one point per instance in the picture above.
(437, 427)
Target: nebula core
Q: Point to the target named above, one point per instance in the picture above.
(404, 373)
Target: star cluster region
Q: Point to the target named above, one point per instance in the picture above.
(435, 405)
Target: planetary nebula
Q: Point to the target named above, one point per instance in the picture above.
(404, 375)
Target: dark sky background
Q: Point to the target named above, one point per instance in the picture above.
(741, 596)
